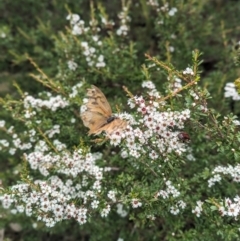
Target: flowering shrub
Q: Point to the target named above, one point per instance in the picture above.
(171, 174)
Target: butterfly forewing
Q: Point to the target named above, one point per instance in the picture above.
(97, 102)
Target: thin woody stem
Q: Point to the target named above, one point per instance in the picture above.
(128, 92)
(177, 91)
(46, 139)
(48, 83)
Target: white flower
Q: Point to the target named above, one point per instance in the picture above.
(95, 38)
(74, 18)
(124, 154)
(84, 44)
(100, 62)
(188, 71)
(198, 209)
(230, 91)
(148, 84)
(77, 30)
(153, 155)
(53, 103)
(136, 203)
(2, 123)
(12, 151)
(3, 35)
(174, 210)
(72, 65)
(100, 58)
(111, 195)
(100, 65)
(233, 210)
(105, 211)
(236, 122)
(123, 213)
(172, 11)
(214, 179)
(123, 30)
(34, 225)
(94, 204)
(171, 49)
(182, 204)
(163, 193)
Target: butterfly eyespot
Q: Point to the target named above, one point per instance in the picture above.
(96, 114)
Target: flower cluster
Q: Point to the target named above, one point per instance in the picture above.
(28, 139)
(75, 90)
(155, 133)
(77, 25)
(176, 208)
(230, 207)
(105, 211)
(214, 179)
(54, 130)
(171, 11)
(198, 209)
(3, 143)
(153, 3)
(176, 85)
(91, 54)
(231, 92)
(53, 103)
(169, 191)
(72, 65)
(233, 172)
(16, 143)
(112, 195)
(55, 196)
(124, 19)
(106, 22)
(172, 192)
(66, 163)
(45, 198)
(165, 8)
(91, 57)
(188, 71)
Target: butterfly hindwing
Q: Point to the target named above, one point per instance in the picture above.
(97, 114)
(114, 126)
(93, 121)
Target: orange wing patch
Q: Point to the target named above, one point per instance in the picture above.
(97, 114)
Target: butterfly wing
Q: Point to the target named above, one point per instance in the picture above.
(117, 125)
(97, 114)
(93, 121)
(97, 102)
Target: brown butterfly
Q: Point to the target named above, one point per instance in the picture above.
(97, 114)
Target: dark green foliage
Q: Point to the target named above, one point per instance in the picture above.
(36, 39)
